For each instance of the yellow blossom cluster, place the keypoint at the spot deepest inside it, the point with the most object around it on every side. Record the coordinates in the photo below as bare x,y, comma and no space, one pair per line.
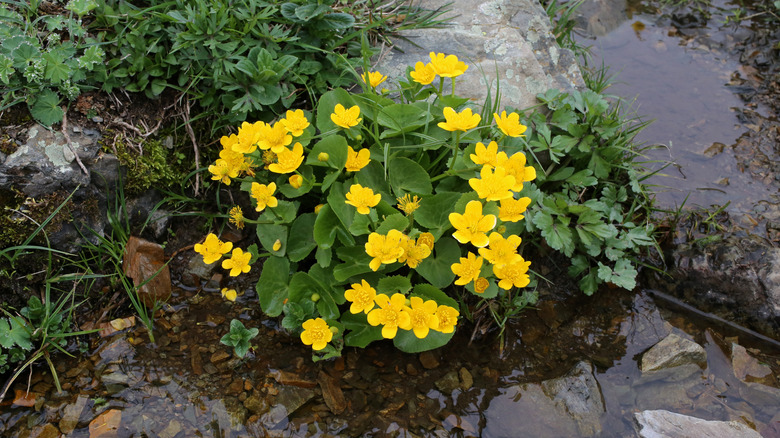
396,246
397,312
446,66
212,249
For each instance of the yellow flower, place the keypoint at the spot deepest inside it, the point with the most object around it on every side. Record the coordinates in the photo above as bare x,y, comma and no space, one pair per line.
229,294
277,245
493,184
502,251
407,204
510,125
287,160
448,318
317,208
357,160
487,155
481,284
237,217
362,198
468,269
361,296
511,209
296,181
374,78
264,195
426,239
514,274
447,66
274,137
346,118
296,122
414,253
223,171
472,226
423,73
384,249
238,262
316,333
462,121
248,136
212,248
390,314
233,158
268,158
227,142
515,166
422,316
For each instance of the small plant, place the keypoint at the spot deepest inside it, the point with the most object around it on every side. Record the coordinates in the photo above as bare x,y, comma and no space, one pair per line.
238,337
44,58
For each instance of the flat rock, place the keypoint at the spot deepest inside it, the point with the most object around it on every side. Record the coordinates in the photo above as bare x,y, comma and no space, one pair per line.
745,365
72,413
672,351
504,41
571,405
665,424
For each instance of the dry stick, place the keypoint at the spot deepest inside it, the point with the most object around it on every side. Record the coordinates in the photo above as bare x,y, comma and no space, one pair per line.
194,143
67,139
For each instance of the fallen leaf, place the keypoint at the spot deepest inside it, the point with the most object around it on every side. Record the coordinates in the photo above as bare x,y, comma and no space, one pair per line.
24,398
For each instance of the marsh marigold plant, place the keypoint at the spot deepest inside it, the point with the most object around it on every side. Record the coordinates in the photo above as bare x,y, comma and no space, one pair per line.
379,219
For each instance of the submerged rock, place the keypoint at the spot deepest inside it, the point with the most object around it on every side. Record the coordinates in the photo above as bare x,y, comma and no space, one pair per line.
571,405
662,424
672,351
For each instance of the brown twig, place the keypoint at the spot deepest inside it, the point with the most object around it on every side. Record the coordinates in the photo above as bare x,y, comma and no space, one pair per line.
67,140
191,132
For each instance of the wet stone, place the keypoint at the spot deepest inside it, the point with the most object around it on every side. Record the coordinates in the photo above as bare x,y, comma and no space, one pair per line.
747,367
171,430
672,351
293,379
290,398
256,405
448,383
331,393
72,413
467,381
661,423
116,350
46,431
428,360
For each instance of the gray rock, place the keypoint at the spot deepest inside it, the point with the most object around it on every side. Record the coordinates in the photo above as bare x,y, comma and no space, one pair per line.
672,351
665,424
737,279
506,41
290,398
448,383
571,405
72,413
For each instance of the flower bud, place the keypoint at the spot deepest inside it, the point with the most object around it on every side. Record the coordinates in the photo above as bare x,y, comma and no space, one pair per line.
334,330
323,156
359,137
315,297
317,208
296,181
277,245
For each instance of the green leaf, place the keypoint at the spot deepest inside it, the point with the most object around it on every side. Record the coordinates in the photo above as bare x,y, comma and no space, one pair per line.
373,176
6,69
301,239
323,256
272,285
309,11
355,262
16,334
326,227
326,105
337,21
393,222
301,288
337,201
46,108
434,212
336,148
623,274
557,234
401,118
406,176
407,342
360,332
428,292
269,234
56,69
392,284
436,268
81,7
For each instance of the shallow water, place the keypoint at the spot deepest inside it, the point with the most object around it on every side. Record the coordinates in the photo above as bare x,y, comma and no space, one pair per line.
187,386
683,70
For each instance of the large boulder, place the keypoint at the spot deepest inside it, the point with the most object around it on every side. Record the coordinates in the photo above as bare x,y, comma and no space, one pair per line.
510,42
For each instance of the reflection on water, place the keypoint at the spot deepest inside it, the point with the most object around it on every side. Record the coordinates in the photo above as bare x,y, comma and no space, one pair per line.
569,369
678,70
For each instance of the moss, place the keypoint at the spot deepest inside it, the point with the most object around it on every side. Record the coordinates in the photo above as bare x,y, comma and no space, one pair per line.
157,166
21,216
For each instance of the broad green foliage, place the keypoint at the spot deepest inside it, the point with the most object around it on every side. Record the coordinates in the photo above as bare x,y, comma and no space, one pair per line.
47,59
233,57
589,202
238,337
371,214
